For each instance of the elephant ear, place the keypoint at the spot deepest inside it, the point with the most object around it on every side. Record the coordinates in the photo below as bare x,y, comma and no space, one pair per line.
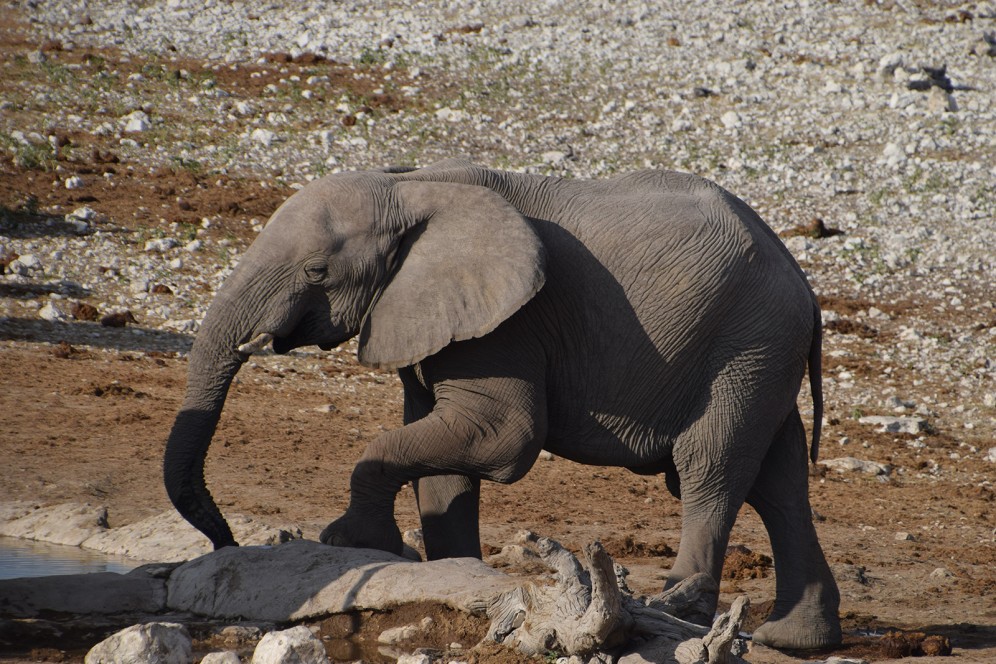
468,260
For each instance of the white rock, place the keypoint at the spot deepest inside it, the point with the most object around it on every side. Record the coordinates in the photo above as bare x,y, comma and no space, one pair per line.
25,265
889,424
396,635
152,643
991,455
893,154
448,114
413,538
192,246
82,214
888,64
301,579
296,645
904,537
136,122
939,101
681,124
52,313
243,108
69,524
227,657
264,137
74,182
160,245
850,464
941,573
415,658
731,119
554,157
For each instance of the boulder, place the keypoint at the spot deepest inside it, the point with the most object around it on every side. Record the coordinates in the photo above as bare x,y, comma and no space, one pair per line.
167,537
296,645
302,579
70,524
83,594
152,643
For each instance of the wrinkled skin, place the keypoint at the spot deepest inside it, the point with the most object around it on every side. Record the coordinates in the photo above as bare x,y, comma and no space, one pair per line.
651,321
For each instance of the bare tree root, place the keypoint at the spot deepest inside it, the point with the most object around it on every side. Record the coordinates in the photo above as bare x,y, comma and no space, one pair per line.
589,612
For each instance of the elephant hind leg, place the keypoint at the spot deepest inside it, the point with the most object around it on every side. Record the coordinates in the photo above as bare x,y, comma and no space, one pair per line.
712,492
806,596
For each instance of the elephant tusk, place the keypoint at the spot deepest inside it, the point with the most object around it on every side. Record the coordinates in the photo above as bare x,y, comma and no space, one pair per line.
256,344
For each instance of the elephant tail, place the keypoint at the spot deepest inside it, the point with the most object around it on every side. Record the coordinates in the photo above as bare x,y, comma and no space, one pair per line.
816,380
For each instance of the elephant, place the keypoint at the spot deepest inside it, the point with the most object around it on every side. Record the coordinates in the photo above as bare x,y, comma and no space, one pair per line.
650,321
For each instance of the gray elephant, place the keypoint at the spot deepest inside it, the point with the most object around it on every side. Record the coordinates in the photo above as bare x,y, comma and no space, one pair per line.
650,321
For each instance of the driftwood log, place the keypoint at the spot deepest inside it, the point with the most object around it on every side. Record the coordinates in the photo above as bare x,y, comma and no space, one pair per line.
588,611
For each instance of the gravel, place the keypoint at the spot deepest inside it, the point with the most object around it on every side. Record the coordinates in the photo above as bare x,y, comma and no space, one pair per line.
876,118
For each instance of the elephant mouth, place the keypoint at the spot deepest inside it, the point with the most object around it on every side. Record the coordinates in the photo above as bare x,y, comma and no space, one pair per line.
283,345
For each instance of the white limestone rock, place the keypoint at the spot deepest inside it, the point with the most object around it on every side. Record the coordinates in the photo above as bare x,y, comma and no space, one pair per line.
152,643
296,645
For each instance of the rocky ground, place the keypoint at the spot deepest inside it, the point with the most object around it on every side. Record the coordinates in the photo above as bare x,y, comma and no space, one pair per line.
145,143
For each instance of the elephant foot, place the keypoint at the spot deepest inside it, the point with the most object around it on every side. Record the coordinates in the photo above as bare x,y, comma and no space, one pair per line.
800,629
364,533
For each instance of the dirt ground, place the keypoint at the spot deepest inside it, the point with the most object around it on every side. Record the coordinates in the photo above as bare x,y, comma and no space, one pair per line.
85,410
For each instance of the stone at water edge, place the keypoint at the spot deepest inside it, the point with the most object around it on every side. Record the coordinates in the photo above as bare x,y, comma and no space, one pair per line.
152,643
296,645
100,593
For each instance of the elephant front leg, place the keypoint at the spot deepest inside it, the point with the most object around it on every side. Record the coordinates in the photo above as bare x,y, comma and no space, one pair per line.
368,522
475,432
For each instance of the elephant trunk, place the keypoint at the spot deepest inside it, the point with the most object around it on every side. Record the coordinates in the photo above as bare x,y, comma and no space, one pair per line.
214,361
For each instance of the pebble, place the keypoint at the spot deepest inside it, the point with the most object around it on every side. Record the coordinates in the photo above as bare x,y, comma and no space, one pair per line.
52,313
264,137
939,101
26,265
731,119
136,121
160,245
74,182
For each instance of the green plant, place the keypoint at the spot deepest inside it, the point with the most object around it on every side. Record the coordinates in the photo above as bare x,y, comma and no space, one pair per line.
32,156
183,164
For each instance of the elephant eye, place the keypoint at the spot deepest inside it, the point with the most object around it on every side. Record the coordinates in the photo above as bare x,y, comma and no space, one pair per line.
316,271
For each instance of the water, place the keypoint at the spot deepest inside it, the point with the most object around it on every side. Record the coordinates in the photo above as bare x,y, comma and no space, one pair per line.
24,558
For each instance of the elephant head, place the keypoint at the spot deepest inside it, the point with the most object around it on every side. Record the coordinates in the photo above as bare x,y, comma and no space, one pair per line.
409,266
